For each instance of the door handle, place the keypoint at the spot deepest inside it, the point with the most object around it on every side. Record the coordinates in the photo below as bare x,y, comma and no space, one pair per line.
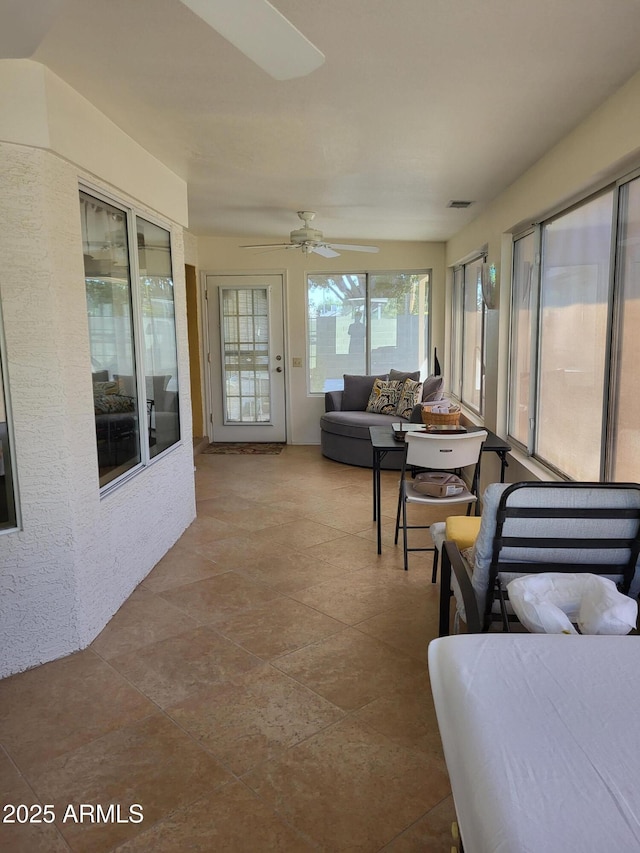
278,369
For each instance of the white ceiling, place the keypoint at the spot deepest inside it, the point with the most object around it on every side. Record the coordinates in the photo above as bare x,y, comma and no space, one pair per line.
418,102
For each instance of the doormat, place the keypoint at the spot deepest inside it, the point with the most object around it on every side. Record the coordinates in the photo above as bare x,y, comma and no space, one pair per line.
244,448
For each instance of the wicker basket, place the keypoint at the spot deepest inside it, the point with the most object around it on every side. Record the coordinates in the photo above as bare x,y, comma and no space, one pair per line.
451,418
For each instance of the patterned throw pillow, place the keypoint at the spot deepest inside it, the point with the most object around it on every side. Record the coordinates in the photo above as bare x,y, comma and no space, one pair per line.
384,397
410,396
111,404
101,388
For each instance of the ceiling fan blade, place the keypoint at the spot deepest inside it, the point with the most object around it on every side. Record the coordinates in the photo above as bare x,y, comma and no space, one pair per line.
262,33
348,248
268,246
325,251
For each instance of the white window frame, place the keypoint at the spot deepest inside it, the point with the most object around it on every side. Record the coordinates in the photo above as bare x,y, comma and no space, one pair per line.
614,307
132,214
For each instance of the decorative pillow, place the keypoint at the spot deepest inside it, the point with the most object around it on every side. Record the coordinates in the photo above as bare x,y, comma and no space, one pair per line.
463,530
410,395
101,388
109,404
384,397
400,377
357,390
432,389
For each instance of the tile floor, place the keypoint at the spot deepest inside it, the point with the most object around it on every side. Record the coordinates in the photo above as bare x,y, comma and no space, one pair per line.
264,689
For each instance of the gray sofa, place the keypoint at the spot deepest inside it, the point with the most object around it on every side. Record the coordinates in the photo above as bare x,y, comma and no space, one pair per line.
344,427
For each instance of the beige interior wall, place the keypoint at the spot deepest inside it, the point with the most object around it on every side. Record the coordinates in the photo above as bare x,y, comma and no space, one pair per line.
223,255
195,347
39,109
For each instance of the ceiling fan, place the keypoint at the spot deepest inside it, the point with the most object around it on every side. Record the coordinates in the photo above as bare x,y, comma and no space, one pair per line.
310,240
262,33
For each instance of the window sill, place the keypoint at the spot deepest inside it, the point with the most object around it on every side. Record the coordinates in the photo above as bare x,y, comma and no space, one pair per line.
535,468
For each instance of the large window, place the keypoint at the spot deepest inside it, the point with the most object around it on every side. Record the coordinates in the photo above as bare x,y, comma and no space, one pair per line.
468,339
573,400
523,298
7,486
360,323
131,316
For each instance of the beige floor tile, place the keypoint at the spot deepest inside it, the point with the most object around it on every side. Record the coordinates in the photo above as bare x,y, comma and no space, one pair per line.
258,716
290,571
151,763
229,820
407,717
62,705
350,669
356,596
408,628
219,597
237,551
341,787
277,627
430,834
173,669
143,619
252,515
317,694
347,519
30,837
10,776
180,566
298,535
348,552
205,530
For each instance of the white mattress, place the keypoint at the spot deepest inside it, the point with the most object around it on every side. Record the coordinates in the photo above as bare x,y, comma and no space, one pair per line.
541,735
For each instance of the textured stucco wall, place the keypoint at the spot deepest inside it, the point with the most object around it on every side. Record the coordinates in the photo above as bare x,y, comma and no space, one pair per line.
77,557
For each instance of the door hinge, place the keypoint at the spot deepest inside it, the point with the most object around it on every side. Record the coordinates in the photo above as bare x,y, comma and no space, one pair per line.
206,293
209,358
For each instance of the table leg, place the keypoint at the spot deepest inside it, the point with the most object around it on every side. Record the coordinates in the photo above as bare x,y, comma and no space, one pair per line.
378,455
375,465
503,463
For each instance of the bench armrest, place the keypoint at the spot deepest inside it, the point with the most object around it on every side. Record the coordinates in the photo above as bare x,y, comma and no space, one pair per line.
452,560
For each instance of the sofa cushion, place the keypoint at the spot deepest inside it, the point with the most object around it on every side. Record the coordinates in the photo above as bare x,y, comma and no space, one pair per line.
357,390
400,376
353,424
432,389
384,397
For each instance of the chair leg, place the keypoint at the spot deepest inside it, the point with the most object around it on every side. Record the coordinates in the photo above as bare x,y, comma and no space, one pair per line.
404,532
398,511
434,573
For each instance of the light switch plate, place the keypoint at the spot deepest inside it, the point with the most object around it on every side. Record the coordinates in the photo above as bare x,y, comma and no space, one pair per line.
297,362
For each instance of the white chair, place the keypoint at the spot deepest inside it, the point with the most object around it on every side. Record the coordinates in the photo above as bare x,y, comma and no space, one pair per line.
437,453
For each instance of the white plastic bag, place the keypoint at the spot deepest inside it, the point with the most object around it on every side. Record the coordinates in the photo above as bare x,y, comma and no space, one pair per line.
549,603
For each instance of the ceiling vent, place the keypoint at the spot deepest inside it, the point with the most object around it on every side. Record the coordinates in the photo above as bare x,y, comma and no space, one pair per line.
461,204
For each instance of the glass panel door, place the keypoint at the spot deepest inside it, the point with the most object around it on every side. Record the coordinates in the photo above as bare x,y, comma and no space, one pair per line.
247,373
245,355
